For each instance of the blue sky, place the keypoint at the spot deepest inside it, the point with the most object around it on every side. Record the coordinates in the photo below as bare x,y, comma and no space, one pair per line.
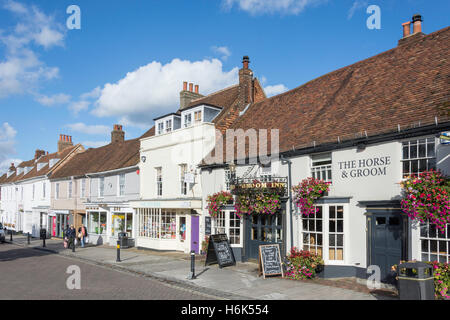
127,62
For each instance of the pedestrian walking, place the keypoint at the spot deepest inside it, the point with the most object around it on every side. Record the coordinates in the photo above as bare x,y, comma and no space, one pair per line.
71,235
82,235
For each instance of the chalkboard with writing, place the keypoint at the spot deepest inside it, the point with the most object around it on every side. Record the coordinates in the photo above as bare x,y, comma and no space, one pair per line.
219,251
269,260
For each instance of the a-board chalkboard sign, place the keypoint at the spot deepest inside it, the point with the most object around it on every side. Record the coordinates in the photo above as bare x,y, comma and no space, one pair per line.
219,251
269,260
207,226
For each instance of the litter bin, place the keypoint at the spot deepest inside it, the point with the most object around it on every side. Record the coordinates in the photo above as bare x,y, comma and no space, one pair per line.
123,238
415,281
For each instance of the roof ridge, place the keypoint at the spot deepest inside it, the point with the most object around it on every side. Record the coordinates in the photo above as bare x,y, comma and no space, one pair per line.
214,93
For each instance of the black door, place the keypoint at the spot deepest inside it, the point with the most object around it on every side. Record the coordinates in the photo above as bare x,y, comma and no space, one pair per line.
385,242
261,230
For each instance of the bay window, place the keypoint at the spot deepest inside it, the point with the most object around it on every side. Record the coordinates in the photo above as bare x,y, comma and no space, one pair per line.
227,222
157,224
324,232
435,246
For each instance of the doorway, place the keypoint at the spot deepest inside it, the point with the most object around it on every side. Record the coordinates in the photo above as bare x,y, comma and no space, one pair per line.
262,230
386,238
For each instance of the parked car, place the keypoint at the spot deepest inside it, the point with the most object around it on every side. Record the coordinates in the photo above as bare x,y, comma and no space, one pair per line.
2,233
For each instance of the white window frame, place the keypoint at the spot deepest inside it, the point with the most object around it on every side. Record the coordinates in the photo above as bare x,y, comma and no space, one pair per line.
69,189
159,181
227,179
325,234
160,128
101,187
168,125
183,185
226,215
187,124
83,188
57,190
119,189
200,111
265,172
318,171
445,238
426,158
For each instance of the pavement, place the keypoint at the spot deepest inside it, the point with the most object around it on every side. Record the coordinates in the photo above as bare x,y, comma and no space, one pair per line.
239,282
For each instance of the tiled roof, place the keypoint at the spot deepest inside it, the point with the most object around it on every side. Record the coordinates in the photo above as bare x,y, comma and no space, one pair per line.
221,98
110,157
2,178
399,87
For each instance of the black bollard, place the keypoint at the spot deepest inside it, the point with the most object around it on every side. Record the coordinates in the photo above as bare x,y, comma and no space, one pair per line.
10,234
118,251
28,238
43,242
192,275
73,245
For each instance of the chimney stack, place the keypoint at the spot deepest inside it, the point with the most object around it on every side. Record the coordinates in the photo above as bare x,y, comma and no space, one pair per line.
245,83
117,135
64,142
406,29
417,30
38,154
186,96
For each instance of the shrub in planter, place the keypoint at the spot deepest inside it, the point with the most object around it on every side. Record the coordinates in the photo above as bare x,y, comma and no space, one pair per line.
302,264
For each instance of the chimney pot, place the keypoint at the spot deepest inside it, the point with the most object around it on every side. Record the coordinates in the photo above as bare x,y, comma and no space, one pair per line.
191,87
406,29
417,23
196,88
185,86
245,62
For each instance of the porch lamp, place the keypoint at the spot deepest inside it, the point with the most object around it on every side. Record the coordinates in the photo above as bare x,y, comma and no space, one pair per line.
232,167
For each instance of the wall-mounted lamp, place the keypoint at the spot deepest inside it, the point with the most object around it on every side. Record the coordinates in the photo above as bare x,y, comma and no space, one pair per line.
232,167
143,158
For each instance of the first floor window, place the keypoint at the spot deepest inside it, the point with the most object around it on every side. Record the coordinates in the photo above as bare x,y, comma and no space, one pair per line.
227,222
435,246
122,184
183,170
101,189
70,189
323,232
159,181
418,156
321,167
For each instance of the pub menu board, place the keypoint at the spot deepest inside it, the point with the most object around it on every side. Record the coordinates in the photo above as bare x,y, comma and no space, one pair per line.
269,260
219,251
207,226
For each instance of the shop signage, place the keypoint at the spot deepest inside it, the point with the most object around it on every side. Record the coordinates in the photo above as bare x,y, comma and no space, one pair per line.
219,251
369,167
269,260
189,178
259,185
445,138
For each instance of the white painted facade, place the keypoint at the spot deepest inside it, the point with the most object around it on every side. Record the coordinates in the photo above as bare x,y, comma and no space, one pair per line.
379,182
167,159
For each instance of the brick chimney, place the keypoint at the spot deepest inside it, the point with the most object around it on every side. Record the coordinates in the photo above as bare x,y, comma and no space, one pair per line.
417,30
117,135
186,96
64,142
38,154
245,83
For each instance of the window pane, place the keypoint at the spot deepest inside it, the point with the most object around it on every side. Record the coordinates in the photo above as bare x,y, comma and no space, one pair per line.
422,165
414,167
332,212
311,225
319,225
332,240
332,226
405,152
340,212
422,151
413,150
340,226
340,240
430,150
424,245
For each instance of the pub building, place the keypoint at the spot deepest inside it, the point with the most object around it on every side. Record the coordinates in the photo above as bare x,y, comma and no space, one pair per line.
363,128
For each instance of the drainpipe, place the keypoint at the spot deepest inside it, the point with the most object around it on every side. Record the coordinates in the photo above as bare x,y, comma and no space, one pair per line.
291,230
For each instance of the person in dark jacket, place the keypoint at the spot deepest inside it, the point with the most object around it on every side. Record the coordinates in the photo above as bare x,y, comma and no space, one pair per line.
71,234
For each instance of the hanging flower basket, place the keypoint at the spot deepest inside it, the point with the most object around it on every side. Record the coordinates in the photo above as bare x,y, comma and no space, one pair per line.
308,191
426,198
217,201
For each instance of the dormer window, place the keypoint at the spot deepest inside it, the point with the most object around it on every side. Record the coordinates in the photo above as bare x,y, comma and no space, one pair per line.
187,120
169,125
198,116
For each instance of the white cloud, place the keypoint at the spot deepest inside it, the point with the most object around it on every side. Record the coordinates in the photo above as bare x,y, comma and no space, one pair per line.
94,94
55,99
255,7
78,106
224,51
7,142
274,90
89,129
356,6
21,71
153,89
95,144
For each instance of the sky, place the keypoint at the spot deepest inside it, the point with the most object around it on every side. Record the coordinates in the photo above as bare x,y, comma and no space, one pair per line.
126,62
